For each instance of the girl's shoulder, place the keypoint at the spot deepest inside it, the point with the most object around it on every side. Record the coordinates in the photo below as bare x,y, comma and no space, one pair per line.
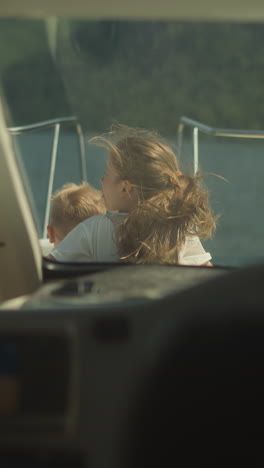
193,252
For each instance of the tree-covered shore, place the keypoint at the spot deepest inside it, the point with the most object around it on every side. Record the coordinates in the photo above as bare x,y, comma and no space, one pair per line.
138,73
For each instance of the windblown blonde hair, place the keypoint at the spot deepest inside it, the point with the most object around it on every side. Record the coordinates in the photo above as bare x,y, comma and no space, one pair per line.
171,205
74,203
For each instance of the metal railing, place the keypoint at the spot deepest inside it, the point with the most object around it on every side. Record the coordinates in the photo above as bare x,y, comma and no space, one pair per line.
214,131
56,123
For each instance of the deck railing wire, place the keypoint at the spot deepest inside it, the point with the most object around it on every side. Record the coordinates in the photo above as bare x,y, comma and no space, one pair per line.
56,124
214,131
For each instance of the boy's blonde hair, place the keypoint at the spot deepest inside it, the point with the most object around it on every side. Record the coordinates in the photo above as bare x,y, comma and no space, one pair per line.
171,205
72,204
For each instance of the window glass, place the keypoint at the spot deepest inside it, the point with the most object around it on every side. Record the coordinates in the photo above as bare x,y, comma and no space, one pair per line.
145,74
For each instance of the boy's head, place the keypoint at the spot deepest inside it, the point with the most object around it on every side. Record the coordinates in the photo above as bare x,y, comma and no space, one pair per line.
71,205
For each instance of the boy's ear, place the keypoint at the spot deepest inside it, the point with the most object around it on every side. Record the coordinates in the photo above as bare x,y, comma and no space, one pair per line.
51,234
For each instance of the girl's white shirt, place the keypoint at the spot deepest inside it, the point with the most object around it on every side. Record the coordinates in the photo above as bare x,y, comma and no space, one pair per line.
93,240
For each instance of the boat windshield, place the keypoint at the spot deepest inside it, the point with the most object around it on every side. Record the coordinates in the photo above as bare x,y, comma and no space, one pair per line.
64,81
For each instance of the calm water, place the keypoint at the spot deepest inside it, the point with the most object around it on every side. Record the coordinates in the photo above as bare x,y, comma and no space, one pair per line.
239,200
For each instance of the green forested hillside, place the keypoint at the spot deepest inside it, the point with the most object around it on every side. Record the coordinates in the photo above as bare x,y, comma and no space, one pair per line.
139,73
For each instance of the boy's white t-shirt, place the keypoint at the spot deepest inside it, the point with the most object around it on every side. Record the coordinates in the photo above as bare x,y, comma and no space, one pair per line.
93,240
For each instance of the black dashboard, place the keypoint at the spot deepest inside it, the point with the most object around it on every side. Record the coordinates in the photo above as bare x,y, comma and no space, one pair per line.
73,358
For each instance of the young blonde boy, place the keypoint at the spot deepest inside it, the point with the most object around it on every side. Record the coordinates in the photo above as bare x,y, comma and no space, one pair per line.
71,205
